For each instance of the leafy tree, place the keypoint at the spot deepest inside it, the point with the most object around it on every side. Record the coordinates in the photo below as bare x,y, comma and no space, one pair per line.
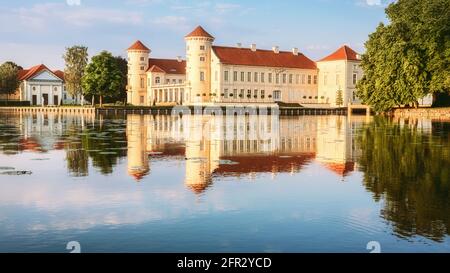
123,66
76,58
339,98
103,77
408,58
9,82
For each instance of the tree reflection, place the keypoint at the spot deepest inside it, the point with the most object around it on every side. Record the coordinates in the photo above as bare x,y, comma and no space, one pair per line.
410,168
105,144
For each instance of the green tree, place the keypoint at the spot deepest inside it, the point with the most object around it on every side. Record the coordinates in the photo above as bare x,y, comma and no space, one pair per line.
339,98
103,77
123,66
76,59
9,81
409,57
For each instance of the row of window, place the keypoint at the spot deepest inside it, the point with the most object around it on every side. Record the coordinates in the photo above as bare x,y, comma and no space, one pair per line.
269,77
338,79
242,94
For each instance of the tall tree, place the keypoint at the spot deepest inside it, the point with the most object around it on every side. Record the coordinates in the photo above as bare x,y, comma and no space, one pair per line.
103,77
408,58
76,58
9,81
123,66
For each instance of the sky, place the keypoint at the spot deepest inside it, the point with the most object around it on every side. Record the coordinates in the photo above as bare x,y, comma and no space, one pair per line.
38,31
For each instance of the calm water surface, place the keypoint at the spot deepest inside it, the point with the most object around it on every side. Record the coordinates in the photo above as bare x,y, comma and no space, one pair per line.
212,184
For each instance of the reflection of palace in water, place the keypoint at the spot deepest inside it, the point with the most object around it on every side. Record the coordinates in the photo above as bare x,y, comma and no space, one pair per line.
240,145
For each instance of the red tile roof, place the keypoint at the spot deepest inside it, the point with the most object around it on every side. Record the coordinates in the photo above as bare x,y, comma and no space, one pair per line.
26,74
138,45
168,66
59,74
199,32
156,69
245,56
343,53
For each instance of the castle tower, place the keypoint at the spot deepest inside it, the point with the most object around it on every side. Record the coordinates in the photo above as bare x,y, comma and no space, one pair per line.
198,65
138,55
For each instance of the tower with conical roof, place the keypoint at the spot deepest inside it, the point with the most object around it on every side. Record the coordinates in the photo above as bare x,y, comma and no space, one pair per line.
138,55
198,65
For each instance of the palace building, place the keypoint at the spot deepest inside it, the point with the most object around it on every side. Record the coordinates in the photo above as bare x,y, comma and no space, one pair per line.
42,87
222,75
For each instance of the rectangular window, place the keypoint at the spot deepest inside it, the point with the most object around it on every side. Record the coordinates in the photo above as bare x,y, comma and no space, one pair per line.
174,81
355,78
249,76
284,78
241,94
325,79
338,79
249,93
225,76
270,77
142,83
202,76
202,47
303,78
255,77
142,68
202,59
277,95
225,93
277,78
235,76
168,81
180,81
235,93
297,79
242,76
262,94
315,79
309,79
262,77
142,59
255,94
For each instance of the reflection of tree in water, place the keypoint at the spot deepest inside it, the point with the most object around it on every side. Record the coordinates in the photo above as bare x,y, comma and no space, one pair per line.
103,142
411,170
76,157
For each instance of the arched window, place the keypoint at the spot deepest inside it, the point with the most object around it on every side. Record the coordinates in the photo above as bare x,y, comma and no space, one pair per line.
157,80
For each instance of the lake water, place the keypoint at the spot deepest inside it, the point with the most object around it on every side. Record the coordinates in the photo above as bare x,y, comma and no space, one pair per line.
223,184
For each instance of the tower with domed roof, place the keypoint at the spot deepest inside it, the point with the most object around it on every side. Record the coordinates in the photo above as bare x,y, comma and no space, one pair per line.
198,65
138,55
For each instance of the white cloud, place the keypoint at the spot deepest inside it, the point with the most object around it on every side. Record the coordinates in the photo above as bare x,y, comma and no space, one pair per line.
73,2
373,2
41,16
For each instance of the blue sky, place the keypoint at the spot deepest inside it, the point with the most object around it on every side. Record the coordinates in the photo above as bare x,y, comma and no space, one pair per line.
38,31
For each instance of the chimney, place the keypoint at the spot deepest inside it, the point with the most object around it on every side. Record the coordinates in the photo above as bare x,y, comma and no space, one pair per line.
238,45
253,47
276,49
179,59
295,51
